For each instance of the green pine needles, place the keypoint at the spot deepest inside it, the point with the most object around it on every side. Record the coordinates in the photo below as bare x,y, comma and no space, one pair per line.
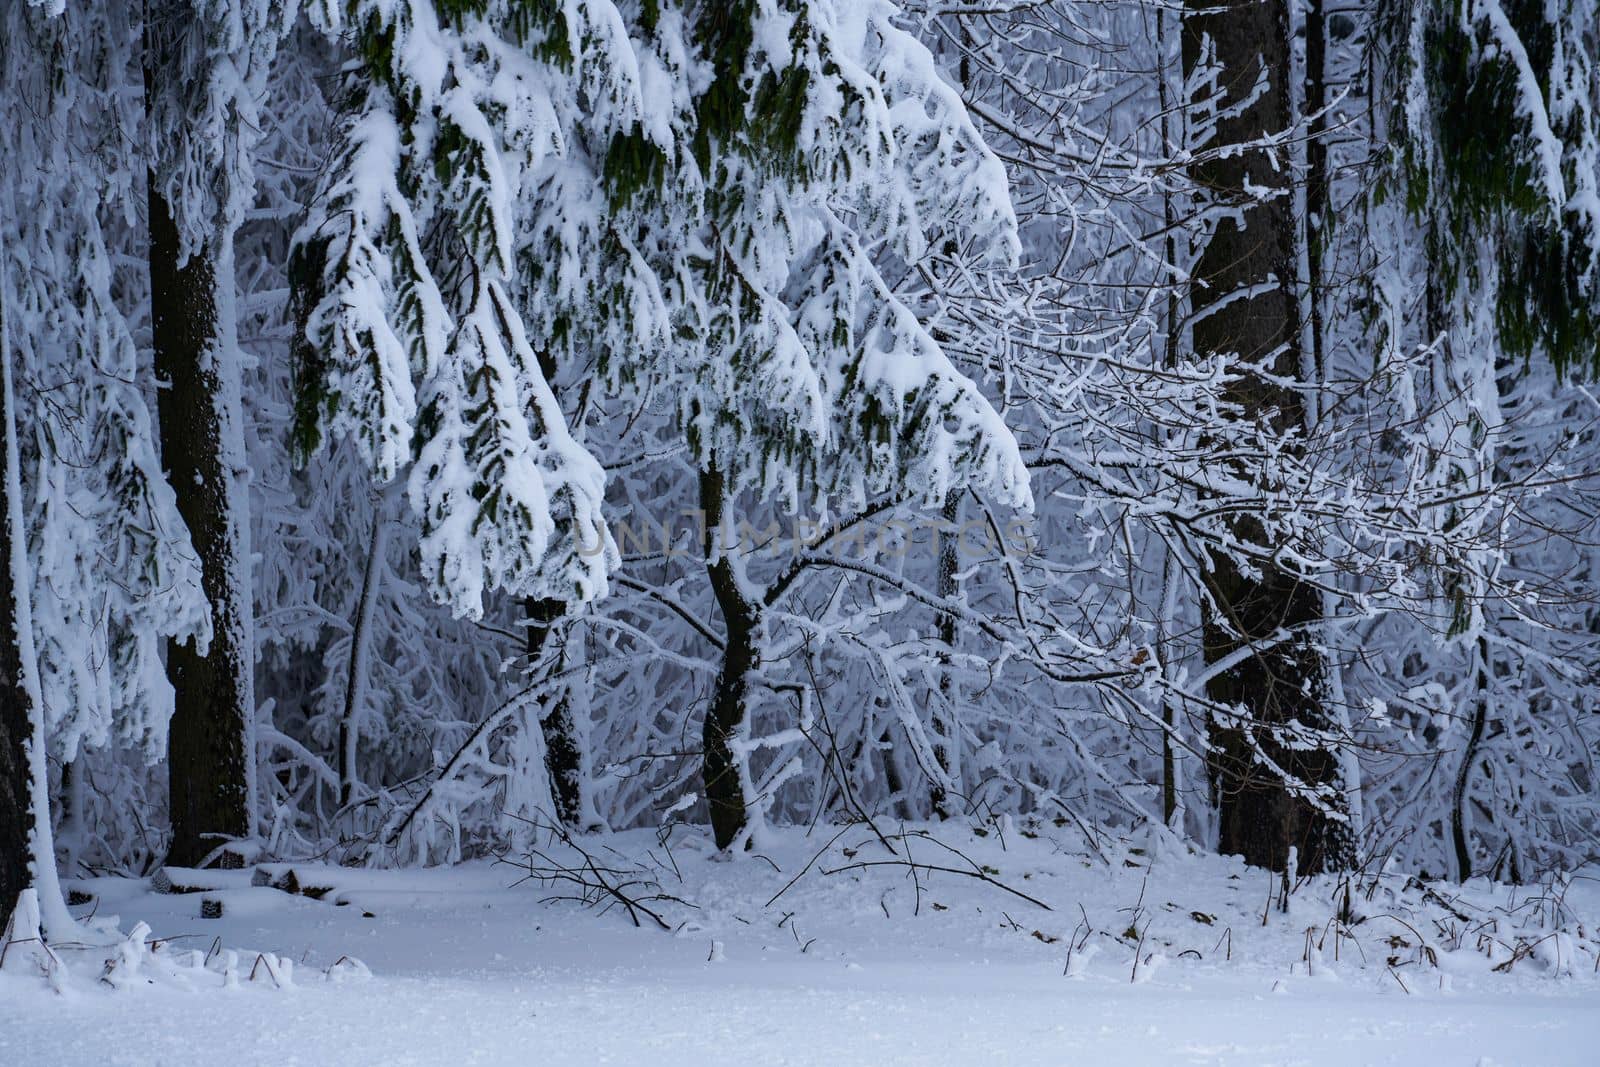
1499,150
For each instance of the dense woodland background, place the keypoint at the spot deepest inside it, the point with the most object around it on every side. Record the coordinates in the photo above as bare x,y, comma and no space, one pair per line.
427,420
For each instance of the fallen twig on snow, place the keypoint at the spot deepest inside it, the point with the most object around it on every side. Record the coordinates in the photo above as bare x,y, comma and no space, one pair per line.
980,875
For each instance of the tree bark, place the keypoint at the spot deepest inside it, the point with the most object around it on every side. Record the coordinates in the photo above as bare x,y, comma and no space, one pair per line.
210,762
16,724
725,716
945,718
563,757
946,734
1317,178
1245,304
360,666
27,849
1172,813
1172,136
1469,757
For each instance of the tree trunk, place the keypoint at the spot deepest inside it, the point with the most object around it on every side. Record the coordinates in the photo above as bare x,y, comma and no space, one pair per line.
27,850
70,828
16,724
1315,101
945,718
1172,812
1172,135
1469,757
210,758
563,756
1247,270
725,716
360,666
946,727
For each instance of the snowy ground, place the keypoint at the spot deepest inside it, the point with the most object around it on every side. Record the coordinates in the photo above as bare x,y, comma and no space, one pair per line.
858,966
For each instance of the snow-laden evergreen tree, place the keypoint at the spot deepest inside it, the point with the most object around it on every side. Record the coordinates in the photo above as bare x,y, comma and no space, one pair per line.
28,878
110,569
437,378
830,162
203,69
1497,123
114,571
1495,134
698,202
414,343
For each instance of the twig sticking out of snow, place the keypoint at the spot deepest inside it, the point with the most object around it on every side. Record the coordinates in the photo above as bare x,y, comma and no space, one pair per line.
980,875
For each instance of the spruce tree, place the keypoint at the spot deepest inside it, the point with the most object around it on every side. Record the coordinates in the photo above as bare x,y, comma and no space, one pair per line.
199,183
107,571
412,340
1496,151
1497,140
714,247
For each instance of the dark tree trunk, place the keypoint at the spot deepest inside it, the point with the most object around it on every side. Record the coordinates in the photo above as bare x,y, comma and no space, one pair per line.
944,720
562,754
1171,136
1469,758
209,762
729,699
1281,684
1170,813
946,733
16,726
1316,221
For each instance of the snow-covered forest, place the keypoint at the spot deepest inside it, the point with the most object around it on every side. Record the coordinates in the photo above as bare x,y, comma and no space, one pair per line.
936,456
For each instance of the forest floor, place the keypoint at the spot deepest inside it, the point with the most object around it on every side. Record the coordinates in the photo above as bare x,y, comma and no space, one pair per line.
1175,958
